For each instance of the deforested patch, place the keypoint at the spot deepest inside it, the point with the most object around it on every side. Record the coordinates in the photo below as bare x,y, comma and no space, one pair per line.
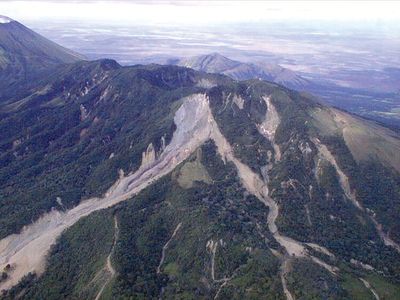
307,210
205,83
193,171
84,113
268,127
165,247
108,271
285,270
366,140
368,286
148,156
361,265
321,249
325,154
238,100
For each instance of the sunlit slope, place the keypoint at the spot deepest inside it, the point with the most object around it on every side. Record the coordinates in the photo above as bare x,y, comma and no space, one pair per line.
366,140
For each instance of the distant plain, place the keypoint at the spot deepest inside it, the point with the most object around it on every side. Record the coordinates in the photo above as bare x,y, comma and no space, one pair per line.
353,67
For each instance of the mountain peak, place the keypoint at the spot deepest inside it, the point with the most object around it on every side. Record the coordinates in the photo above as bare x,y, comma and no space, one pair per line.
5,20
216,55
217,63
25,54
211,63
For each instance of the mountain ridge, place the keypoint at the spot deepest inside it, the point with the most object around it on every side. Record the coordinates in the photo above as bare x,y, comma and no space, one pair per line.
264,109
26,55
217,63
154,181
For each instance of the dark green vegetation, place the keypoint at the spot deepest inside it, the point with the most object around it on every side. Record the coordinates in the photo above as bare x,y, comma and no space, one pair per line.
318,284
26,56
66,136
382,190
317,210
239,129
221,213
74,262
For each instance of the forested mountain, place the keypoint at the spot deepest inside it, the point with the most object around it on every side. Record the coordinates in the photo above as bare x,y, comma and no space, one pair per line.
25,55
165,182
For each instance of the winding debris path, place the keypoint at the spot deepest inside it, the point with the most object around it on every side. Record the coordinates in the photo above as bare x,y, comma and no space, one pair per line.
109,266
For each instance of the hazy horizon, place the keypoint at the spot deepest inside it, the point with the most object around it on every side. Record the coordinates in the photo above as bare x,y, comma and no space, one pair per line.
348,44
203,12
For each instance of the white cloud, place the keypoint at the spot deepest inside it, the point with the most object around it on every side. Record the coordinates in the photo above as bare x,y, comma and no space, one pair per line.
202,12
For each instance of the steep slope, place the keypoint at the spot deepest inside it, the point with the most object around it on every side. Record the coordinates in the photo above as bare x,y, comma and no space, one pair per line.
24,54
68,132
216,63
222,189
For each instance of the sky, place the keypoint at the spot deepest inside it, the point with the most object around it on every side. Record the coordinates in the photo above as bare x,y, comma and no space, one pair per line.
201,12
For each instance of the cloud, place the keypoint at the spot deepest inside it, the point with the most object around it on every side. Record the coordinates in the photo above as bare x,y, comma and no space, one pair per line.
201,12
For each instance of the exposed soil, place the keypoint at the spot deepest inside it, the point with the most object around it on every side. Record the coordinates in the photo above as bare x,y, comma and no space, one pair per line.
27,251
109,267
